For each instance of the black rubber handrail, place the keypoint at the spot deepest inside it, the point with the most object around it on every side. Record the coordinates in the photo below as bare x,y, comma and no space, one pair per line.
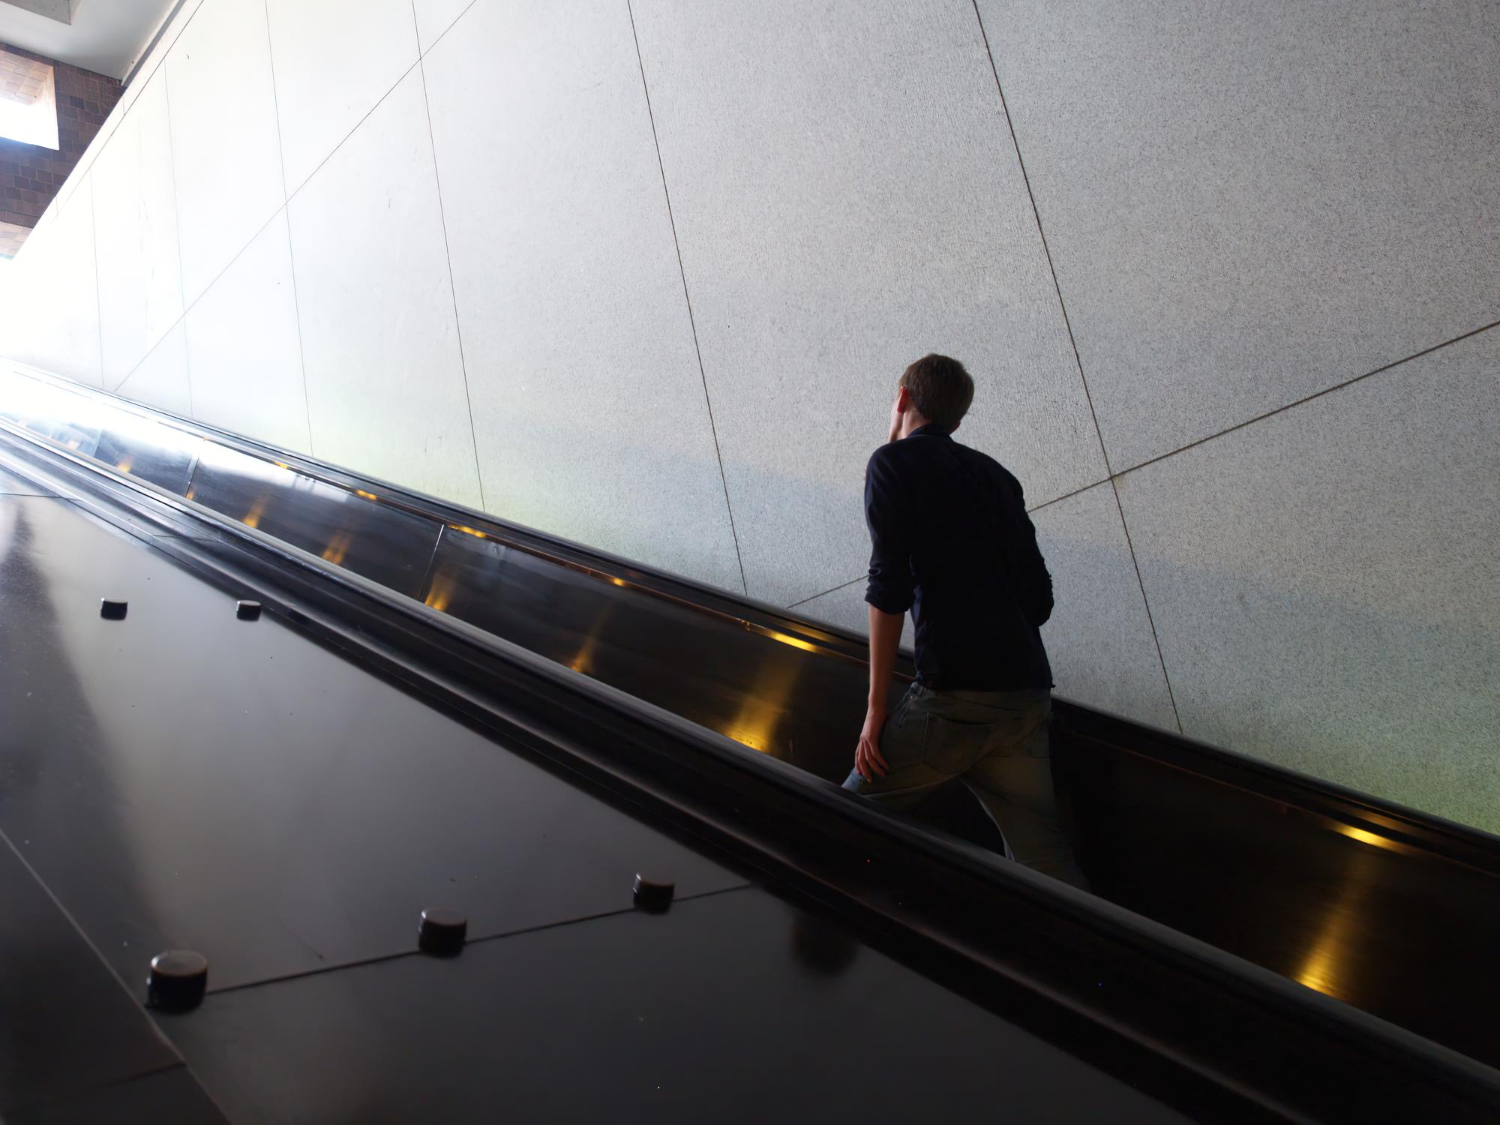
1402,825
1246,1027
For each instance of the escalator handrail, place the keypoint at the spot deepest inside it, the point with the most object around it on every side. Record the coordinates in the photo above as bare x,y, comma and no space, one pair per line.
1404,826
359,615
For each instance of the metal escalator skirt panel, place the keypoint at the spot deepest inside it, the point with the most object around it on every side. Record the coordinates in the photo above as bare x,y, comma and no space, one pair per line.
73,419
351,529
163,455
763,690
120,437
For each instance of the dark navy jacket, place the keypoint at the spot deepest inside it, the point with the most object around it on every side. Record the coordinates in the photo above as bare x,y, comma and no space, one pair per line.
951,542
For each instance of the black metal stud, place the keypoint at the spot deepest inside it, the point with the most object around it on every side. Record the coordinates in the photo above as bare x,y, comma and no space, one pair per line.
177,981
247,611
112,611
442,933
654,895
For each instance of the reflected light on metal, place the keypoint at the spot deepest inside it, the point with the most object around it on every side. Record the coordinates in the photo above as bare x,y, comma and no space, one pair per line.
1317,971
468,531
440,593
366,495
124,465
583,659
338,547
1366,837
795,642
1330,965
764,706
252,517
751,738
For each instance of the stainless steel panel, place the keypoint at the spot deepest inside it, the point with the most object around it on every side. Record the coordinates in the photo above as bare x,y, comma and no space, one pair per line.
769,690
170,1097
731,1008
13,485
128,439
1332,898
1323,901
70,417
160,454
354,531
185,779
66,1025
1352,913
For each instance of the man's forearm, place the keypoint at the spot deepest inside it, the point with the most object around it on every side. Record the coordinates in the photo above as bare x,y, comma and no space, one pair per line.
885,638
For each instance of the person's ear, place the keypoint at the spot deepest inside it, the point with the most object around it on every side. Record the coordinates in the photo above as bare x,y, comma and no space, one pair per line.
903,400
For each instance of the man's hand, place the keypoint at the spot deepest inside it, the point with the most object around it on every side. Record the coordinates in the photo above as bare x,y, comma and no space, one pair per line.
867,758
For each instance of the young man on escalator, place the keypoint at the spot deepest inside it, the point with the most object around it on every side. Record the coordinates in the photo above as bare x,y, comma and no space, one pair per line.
951,542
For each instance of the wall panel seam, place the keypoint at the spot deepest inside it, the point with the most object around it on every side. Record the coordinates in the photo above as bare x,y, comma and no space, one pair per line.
687,298
832,590
1042,234
1146,601
458,328
1067,495
157,37
90,154
187,343
98,299
424,53
275,97
1309,398
291,257
284,208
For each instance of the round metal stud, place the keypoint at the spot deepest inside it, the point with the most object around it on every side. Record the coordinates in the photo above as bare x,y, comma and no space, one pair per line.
177,981
654,895
442,933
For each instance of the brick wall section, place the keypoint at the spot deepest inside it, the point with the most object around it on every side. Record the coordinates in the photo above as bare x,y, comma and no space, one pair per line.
31,176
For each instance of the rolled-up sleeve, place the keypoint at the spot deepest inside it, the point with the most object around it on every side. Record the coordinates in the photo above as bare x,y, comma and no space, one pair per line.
1036,588
1034,581
891,588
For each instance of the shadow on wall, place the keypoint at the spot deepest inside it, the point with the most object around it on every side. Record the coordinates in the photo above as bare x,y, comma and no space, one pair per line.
1402,708
1099,638
1385,704
662,505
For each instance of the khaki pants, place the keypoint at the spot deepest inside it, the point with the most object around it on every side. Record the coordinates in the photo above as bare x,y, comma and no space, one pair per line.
997,742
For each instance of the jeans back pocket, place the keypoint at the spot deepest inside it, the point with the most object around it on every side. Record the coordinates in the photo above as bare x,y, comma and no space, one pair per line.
952,746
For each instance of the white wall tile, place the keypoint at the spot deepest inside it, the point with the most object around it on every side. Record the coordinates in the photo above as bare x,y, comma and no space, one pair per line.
161,379
135,222
1246,203
434,17
846,607
149,70
385,382
333,60
588,400
1099,638
224,136
847,199
52,322
244,349
1324,582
